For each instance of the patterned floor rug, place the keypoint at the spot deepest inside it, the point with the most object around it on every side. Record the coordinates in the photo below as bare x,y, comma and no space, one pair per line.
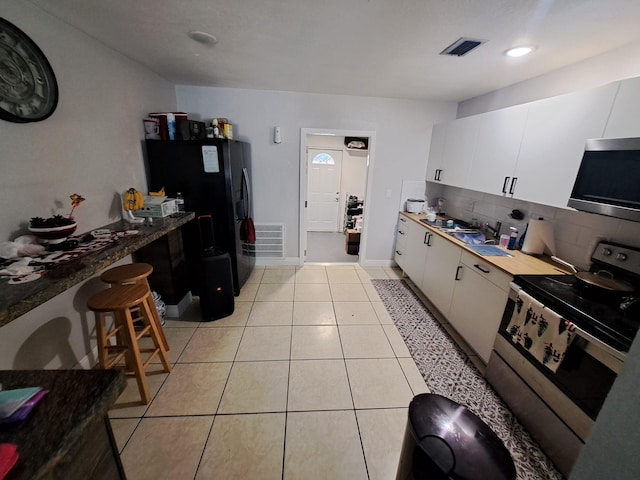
448,371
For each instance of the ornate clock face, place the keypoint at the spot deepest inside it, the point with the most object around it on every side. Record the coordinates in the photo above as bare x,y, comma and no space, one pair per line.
28,88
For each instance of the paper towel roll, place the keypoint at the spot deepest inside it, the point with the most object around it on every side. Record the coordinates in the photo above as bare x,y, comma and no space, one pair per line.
539,235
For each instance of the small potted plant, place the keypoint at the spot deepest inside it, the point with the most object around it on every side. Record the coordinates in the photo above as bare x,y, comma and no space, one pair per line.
57,228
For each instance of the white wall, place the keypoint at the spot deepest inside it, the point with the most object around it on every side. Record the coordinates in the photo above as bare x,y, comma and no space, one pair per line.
403,131
92,145
606,68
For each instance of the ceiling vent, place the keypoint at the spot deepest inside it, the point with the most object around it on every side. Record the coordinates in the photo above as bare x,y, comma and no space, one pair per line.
461,47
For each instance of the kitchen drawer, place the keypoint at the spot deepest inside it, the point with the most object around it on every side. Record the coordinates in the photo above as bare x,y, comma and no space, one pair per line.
402,232
487,270
400,250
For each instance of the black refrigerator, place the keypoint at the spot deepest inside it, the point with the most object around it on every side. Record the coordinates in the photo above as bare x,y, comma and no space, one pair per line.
214,177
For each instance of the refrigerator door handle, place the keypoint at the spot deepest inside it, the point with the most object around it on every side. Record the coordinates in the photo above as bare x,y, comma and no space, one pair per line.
242,206
245,182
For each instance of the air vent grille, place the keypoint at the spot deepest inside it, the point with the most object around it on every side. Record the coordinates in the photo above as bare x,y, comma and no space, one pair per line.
269,241
461,47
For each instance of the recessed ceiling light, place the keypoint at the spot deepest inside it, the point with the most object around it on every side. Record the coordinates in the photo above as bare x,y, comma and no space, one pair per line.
203,37
519,51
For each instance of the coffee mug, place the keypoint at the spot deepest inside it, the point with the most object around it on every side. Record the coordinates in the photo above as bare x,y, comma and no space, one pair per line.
151,127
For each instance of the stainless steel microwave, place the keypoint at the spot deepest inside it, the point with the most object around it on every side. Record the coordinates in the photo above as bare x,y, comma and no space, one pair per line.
608,180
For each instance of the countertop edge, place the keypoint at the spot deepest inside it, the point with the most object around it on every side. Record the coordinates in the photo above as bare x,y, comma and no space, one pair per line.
525,264
76,399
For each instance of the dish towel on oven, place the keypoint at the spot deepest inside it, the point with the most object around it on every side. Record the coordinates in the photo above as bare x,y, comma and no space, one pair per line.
544,333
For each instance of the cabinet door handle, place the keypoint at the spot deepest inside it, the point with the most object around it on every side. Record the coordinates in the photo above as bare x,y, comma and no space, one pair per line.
398,252
439,173
513,185
504,185
482,269
458,272
403,220
427,239
400,232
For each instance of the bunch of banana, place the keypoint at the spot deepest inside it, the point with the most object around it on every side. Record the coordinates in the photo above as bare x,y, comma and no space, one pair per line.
159,193
132,200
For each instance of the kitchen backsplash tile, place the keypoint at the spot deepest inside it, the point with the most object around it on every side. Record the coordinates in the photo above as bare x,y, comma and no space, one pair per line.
576,233
628,232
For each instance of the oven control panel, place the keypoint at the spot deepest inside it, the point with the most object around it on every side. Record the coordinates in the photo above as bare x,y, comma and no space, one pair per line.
620,256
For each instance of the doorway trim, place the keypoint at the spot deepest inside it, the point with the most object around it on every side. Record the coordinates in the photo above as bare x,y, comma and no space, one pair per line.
304,133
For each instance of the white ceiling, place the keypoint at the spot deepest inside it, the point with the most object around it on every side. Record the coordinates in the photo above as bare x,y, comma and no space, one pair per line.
381,48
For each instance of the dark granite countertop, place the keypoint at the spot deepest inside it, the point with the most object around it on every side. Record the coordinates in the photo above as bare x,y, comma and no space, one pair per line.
16,300
76,398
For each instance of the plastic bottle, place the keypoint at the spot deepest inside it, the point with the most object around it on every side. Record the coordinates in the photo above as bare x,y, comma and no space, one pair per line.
171,126
522,237
179,202
513,239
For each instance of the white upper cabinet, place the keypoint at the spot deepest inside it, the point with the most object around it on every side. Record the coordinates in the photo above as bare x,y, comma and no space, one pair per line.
451,151
436,152
624,121
532,151
554,140
458,150
498,141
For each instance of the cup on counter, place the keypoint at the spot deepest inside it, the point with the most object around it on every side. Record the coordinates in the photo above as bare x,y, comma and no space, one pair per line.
504,240
431,217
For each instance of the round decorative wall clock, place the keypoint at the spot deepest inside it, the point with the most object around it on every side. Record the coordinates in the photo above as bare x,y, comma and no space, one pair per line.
28,87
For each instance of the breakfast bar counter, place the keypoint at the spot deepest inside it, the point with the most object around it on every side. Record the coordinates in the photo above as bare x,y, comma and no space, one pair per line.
18,299
68,433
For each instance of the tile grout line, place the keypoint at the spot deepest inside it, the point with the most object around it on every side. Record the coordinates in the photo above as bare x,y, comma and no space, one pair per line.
213,420
286,406
353,402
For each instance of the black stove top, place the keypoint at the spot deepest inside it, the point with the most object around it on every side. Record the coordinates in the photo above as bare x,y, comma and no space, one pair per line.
598,315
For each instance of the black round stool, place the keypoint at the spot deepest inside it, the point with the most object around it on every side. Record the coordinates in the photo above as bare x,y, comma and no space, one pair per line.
444,440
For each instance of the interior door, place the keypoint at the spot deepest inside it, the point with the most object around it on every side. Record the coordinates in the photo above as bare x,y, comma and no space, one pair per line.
323,198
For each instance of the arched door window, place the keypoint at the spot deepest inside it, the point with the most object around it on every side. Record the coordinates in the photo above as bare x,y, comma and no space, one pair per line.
323,159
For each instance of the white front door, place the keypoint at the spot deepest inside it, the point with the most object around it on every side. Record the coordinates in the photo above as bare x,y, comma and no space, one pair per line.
325,169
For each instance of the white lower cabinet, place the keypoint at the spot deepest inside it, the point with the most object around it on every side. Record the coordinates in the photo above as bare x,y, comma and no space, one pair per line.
438,279
418,239
402,231
469,292
479,298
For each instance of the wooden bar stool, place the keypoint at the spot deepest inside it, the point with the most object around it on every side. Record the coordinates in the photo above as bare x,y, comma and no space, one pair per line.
119,300
136,273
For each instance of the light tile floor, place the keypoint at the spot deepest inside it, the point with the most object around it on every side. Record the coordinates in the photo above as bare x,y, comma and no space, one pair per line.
308,379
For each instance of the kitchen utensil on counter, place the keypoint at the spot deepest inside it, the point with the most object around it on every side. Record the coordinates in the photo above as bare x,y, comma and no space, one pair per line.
597,280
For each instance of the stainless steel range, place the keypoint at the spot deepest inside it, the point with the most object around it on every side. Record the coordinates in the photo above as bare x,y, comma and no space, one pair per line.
558,408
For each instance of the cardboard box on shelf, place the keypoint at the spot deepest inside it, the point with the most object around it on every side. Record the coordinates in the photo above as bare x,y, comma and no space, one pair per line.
353,236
